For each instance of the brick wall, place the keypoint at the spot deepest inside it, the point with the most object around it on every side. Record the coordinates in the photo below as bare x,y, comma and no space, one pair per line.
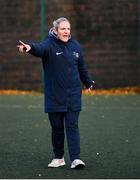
111,40
19,20
108,31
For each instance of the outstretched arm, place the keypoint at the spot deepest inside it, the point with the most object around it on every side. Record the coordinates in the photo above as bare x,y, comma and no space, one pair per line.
36,49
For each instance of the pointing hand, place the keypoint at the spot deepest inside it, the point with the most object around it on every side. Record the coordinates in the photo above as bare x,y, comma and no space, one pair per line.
23,47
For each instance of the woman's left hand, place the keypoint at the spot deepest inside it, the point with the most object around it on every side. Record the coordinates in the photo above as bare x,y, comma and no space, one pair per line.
90,88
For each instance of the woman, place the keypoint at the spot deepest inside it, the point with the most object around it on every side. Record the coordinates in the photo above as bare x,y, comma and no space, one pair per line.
64,69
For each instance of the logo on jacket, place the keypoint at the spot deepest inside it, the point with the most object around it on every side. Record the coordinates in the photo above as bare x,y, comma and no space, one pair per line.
58,53
76,54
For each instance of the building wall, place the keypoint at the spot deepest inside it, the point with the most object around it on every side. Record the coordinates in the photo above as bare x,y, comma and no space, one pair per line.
107,30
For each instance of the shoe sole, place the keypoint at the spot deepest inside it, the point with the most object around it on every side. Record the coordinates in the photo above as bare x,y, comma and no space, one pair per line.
79,166
56,166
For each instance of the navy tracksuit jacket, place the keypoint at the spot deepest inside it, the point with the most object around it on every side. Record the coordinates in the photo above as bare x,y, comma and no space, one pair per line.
64,69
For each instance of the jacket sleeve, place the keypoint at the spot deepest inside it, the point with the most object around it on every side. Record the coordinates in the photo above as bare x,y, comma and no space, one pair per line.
39,49
83,71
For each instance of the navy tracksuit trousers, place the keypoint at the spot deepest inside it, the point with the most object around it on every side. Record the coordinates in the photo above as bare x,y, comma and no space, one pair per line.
59,122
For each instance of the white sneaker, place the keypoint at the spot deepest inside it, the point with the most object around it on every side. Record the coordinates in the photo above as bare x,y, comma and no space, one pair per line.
77,164
57,163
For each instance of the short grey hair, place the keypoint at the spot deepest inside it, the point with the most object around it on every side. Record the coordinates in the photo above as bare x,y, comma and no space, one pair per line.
58,21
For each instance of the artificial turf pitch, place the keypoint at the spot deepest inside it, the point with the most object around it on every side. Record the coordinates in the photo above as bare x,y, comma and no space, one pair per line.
110,138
